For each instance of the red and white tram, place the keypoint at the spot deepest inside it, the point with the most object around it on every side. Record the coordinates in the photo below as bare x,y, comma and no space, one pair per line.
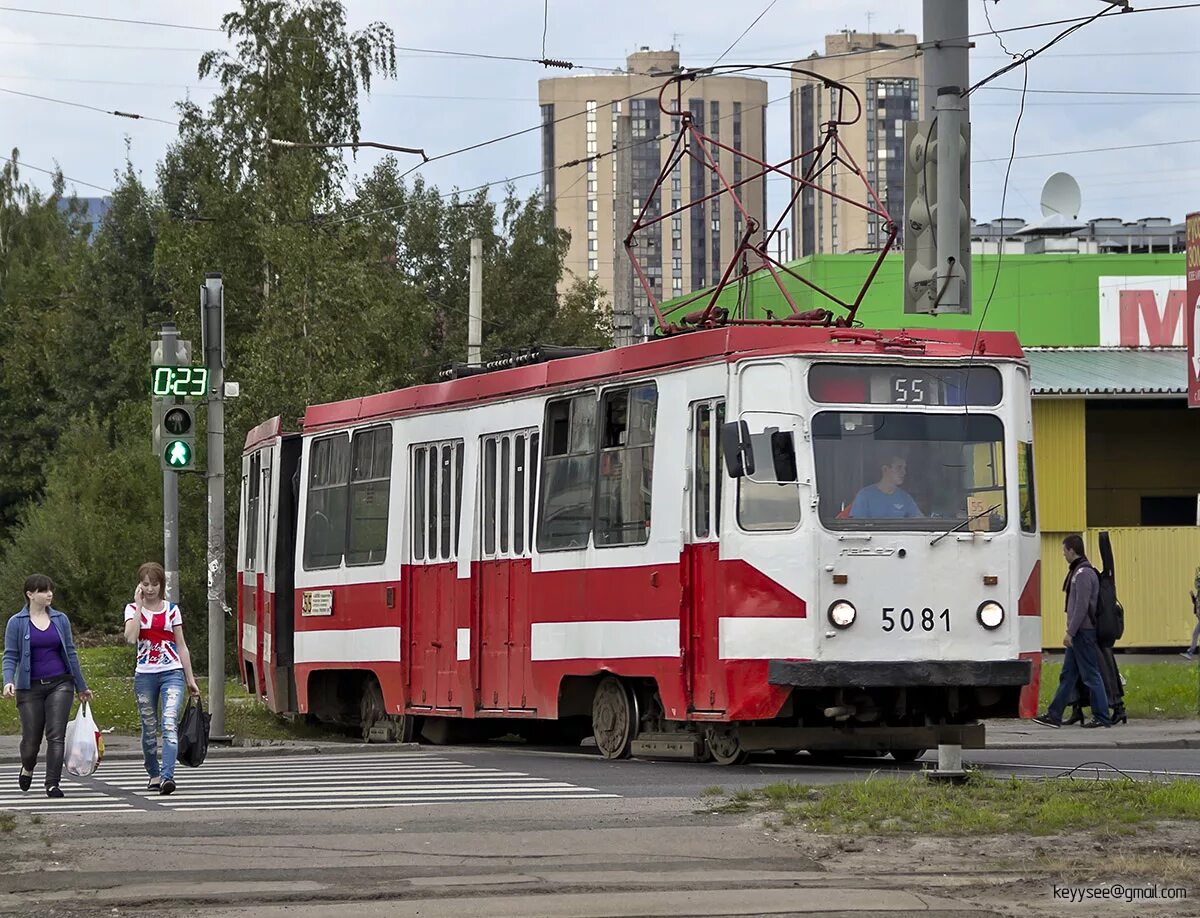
736,539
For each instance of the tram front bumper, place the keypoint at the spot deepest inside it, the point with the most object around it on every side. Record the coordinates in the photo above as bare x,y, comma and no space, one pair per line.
898,673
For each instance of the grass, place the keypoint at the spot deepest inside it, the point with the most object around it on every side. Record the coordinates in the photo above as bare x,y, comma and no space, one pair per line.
8,822
1152,690
109,672
983,805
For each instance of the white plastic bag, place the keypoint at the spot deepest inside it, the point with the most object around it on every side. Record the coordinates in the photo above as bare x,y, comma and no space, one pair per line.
83,747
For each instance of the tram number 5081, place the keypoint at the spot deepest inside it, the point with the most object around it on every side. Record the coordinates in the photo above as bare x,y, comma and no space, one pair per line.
908,620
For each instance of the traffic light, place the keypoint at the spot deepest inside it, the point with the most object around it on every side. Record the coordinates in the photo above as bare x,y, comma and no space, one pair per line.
921,204
176,437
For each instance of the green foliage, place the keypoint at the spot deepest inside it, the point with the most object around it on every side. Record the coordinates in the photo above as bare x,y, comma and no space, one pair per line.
95,523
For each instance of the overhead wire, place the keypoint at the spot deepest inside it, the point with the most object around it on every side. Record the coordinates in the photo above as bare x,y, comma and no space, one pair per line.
104,111
745,32
69,178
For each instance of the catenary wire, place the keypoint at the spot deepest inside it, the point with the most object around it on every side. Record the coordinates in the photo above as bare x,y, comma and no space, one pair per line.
745,32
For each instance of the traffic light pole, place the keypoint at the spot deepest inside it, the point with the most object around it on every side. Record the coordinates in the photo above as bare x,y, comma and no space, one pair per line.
169,337
212,300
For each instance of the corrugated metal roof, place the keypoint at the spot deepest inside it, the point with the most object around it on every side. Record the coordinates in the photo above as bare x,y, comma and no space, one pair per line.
1108,371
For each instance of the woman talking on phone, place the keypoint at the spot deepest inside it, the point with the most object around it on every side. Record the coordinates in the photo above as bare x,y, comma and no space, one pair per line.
163,667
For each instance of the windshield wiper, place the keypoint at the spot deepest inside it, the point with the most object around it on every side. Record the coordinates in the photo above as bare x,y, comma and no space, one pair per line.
966,522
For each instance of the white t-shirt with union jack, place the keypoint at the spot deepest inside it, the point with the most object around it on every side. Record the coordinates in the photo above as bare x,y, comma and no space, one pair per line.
156,651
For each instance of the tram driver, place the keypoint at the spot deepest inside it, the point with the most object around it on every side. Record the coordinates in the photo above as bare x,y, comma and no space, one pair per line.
886,500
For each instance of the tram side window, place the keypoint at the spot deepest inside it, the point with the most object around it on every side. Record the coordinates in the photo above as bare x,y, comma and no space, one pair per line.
706,485
252,511
763,503
568,476
1025,486
370,490
325,522
626,466
436,501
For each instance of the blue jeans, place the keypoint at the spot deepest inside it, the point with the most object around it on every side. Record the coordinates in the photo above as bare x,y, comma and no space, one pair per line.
154,692
1081,662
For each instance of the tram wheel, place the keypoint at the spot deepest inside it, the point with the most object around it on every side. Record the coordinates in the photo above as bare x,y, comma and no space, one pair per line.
377,724
614,718
724,746
371,712
907,755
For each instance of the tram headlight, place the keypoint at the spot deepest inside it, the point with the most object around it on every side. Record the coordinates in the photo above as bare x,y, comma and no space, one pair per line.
990,615
842,614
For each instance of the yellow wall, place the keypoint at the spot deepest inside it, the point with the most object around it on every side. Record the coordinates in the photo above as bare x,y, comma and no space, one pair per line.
1155,569
1060,464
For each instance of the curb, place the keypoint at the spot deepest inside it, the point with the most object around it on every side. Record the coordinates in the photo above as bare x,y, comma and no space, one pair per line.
1114,744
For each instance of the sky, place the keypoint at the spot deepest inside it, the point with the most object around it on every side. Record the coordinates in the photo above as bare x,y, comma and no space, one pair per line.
1125,80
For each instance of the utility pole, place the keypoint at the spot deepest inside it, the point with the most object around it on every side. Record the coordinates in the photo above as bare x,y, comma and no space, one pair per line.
937,177
212,325
475,311
622,292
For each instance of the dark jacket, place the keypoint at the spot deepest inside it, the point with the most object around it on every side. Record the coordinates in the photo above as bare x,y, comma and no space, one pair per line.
17,650
1083,592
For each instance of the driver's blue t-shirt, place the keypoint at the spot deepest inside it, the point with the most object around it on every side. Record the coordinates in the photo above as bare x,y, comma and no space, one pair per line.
873,504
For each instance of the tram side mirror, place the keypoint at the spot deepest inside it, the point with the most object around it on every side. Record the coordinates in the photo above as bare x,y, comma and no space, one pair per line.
783,455
735,445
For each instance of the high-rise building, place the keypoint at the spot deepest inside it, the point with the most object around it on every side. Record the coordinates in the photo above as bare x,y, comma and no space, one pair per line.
884,71
582,118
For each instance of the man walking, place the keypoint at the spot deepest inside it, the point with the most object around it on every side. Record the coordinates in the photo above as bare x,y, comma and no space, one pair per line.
1082,659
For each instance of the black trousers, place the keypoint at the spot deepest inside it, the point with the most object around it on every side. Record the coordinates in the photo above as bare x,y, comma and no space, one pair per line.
44,708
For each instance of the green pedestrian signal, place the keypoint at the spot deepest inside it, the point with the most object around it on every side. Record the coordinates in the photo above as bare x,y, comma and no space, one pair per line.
178,438
178,455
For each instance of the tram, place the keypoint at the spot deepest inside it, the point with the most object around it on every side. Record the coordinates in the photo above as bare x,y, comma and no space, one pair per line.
742,538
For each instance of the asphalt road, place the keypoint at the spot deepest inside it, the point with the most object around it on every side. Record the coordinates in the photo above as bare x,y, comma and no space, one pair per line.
481,831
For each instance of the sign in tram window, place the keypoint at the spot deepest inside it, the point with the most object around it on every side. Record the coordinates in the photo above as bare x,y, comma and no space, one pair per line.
910,471
897,384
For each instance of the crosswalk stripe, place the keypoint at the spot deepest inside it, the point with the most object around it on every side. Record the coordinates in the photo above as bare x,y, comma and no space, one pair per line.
310,782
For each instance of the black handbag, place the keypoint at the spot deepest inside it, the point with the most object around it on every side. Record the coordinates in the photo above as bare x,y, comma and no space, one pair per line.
193,734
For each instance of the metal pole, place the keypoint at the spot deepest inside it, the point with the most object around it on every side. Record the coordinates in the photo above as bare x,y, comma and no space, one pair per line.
170,337
213,326
475,315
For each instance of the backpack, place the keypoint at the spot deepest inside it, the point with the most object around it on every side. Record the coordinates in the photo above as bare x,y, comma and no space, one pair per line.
1110,614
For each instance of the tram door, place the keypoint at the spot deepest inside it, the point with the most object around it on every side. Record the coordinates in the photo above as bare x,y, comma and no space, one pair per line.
508,464
432,642
705,586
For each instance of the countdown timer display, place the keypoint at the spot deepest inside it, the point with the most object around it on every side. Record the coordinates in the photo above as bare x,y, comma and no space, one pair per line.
183,381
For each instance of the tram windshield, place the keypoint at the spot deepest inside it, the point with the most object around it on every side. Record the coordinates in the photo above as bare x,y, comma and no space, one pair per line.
909,471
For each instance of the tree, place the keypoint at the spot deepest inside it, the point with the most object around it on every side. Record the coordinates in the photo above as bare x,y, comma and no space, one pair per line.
43,247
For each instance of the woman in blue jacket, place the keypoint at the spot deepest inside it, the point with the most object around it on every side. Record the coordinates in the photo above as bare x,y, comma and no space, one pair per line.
41,668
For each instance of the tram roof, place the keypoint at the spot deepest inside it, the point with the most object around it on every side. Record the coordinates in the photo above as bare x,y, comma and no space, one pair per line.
689,349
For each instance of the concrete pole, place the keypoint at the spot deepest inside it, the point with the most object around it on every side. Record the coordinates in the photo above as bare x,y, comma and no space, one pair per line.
213,324
475,314
622,292
946,75
170,338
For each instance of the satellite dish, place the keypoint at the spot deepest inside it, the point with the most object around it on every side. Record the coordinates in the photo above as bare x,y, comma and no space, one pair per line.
1060,195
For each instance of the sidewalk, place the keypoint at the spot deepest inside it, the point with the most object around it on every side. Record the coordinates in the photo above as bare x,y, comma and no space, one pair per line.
1001,734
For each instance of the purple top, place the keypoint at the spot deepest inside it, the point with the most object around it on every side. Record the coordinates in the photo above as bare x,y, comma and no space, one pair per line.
46,653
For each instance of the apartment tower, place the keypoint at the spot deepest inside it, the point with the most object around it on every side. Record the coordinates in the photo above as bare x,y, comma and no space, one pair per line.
585,117
885,71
